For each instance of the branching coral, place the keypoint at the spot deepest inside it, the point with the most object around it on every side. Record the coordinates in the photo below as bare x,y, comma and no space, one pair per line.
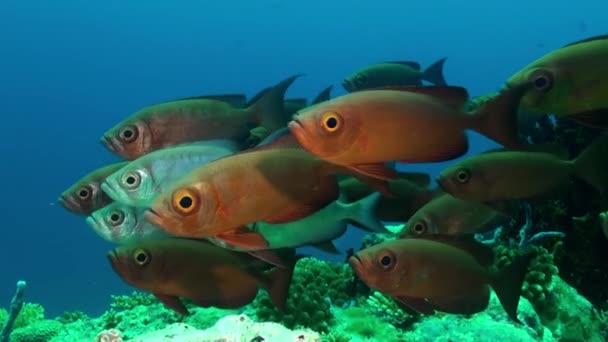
315,286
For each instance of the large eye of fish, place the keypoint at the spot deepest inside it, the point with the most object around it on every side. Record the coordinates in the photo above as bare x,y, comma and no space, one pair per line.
386,260
463,176
419,228
131,180
84,193
331,122
116,217
128,133
141,257
185,201
542,79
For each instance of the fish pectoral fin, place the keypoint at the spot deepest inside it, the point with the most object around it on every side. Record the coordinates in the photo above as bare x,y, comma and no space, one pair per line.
326,246
278,286
271,257
173,303
293,214
419,305
367,173
597,118
244,238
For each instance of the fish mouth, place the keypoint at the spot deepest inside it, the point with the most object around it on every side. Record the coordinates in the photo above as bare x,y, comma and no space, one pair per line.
299,132
98,227
357,264
70,204
116,262
159,219
111,144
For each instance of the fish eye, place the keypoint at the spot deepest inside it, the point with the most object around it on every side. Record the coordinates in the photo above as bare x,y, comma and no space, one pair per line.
386,260
331,122
141,257
185,201
419,227
84,193
463,176
117,217
542,79
131,180
128,133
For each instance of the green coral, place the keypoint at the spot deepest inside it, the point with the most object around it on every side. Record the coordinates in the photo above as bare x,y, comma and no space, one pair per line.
128,302
358,322
30,313
315,285
39,331
386,309
538,285
72,316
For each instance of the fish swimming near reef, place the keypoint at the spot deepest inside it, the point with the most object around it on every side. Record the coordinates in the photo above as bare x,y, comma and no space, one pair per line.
448,215
269,184
318,229
404,73
363,130
120,223
207,275
570,82
440,273
85,196
140,181
511,175
195,119
409,192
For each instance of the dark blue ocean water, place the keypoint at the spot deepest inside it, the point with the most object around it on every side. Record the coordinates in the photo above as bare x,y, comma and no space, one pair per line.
69,70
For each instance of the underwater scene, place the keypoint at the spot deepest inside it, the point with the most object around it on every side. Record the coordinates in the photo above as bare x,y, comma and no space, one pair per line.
281,171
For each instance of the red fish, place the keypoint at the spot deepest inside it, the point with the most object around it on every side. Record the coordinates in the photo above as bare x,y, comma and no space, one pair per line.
365,129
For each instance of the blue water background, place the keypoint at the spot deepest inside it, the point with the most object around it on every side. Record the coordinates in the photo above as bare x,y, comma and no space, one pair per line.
71,69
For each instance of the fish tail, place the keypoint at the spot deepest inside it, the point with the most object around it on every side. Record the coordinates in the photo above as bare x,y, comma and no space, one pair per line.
268,110
278,288
363,214
434,73
497,118
592,164
508,282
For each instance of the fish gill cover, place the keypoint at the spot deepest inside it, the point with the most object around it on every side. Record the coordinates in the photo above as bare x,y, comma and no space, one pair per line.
315,171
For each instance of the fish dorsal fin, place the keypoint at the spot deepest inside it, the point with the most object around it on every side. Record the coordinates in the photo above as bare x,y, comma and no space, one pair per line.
298,102
411,64
454,97
481,252
235,100
257,97
587,40
323,96
327,247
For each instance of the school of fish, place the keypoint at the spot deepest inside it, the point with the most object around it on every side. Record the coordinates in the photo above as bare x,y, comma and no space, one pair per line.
214,193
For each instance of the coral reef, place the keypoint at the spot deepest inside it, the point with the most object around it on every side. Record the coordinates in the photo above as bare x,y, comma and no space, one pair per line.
316,285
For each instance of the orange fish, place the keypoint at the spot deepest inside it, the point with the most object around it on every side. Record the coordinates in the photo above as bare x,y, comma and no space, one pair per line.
86,196
195,119
274,185
440,273
365,129
208,275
